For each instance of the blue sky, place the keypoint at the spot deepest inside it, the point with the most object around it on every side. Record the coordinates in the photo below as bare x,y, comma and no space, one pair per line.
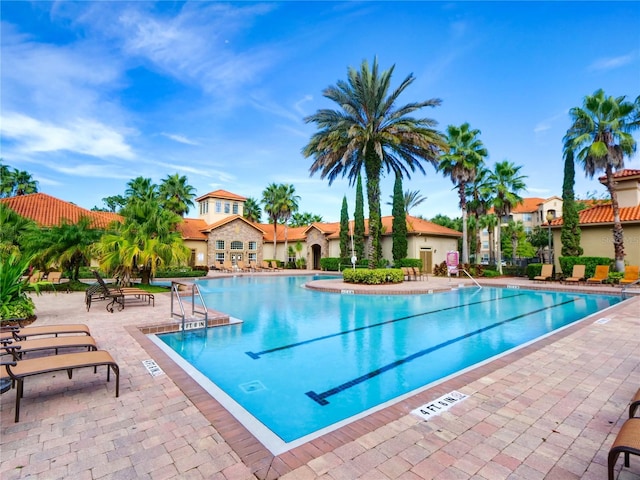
97,93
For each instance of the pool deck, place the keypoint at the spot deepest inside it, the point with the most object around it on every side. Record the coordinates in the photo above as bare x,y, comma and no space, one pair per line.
549,410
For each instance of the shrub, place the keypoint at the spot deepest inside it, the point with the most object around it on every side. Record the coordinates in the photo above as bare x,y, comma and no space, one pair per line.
409,262
377,276
491,273
590,263
14,302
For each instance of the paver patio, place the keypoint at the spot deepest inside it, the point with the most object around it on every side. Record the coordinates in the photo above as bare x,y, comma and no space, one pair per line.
550,410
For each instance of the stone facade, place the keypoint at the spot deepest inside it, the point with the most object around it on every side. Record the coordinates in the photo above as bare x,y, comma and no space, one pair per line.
237,233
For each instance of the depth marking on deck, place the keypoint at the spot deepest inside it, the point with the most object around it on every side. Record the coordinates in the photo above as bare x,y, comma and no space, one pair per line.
439,405
320,398
602,321
153,368
256,355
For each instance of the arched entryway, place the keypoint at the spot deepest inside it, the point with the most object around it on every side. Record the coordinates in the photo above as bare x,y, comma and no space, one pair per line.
316,253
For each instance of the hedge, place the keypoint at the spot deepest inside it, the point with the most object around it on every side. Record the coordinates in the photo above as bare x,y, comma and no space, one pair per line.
590,263
377,276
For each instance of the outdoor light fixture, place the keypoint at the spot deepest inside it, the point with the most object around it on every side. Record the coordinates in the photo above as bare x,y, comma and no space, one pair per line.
550,217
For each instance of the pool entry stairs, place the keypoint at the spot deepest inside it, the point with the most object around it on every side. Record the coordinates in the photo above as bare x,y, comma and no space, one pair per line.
199,317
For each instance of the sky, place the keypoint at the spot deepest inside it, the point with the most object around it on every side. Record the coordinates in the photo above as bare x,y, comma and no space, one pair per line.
94,94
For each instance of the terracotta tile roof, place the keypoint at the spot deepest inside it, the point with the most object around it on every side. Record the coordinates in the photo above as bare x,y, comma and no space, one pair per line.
48,211
293,233
230,219
414,225
192,229
602,214
625,173
221,194
528,205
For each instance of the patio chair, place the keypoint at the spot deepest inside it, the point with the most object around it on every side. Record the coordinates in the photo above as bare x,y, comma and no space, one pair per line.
634,405
577,275
241,265
274,265
117,295
24,333
266,266
35,277
627,441
51,343
601,274
254,266
408,273
546,273
631,275
65,362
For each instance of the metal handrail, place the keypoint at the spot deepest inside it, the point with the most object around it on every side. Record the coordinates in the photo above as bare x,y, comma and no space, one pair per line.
626,286
195,291
468,275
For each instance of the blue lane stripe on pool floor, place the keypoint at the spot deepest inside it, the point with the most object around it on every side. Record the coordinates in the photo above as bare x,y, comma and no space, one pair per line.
257,355
320,398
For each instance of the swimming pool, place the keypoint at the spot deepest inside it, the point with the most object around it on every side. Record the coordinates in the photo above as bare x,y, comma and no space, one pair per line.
304,361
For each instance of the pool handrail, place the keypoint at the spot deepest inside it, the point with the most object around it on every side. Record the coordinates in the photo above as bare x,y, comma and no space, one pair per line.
195,291
469,275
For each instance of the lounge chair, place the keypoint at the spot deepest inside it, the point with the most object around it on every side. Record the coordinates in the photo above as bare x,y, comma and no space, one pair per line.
274,265
545,274
20,334
241,265
631,275
408,273
227,266
634,405
577,275
49,343
417,273
254,266
118,295
266,266
68,361
35,277
601,274
627,441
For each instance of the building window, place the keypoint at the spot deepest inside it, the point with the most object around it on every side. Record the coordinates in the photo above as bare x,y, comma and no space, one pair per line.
253,257
528,230
220,257
253,246
227,207
218,206
219,244
235,208
237,245
526,217
485,245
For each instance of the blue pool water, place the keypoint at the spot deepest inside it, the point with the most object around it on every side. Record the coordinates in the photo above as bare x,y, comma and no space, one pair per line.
303,360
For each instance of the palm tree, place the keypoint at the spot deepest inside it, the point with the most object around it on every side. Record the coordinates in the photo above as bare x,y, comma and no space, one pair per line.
176,194
371,132
252,211
505,182
600,137
287,204
6,181
412,198
140,188
490,222
68,245
515,231
270,200
146,240
466,155
304,219
22,183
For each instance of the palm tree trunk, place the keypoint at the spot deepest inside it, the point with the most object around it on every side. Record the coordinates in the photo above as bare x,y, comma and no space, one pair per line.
618,236
286,250
465,235
275,232
372,171
498,245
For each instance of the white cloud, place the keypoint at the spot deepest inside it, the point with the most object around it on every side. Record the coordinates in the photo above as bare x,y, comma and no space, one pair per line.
83,136
179,138
612,63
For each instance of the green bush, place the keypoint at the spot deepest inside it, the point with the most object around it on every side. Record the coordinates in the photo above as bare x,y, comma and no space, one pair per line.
377,276
184,272
490,273
14,302
614,277
590,263
409,262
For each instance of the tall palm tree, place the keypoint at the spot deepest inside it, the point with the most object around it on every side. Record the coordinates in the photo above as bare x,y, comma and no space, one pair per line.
304,219
271,200
287,204
600,137
252,210
141,188
371,132
505,182
6,181
176,194
490,222
466,155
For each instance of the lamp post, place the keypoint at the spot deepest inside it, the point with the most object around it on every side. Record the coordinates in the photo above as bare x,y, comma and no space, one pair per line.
550,217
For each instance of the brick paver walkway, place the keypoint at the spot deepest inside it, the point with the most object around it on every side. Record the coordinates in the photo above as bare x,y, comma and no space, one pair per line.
550,410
